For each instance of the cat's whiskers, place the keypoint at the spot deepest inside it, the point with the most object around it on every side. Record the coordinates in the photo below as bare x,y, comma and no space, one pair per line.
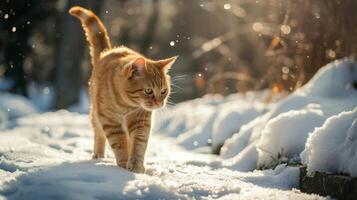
178,77
174,92
170,103
174,85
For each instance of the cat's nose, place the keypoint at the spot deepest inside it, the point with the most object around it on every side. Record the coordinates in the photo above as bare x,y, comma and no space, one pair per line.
157,102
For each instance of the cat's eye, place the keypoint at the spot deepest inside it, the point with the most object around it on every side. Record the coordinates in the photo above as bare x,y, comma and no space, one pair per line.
148,91
163,91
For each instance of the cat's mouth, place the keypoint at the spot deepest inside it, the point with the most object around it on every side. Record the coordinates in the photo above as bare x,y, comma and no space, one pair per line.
153,106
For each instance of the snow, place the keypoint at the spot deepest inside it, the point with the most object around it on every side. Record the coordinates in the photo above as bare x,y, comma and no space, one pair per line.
332,148
231,116
257,135
42,155
13,106
209,120
280,135
16,105
42,95
83,105
285,135
47,156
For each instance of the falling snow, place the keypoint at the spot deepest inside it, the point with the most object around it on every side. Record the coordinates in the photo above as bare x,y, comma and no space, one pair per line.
227,6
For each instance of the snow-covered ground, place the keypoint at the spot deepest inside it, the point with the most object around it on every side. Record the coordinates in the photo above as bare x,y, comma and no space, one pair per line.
46,156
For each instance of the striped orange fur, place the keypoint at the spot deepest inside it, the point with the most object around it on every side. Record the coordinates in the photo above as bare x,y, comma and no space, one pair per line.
125,88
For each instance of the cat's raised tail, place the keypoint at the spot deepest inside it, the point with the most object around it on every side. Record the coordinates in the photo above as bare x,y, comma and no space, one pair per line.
96,32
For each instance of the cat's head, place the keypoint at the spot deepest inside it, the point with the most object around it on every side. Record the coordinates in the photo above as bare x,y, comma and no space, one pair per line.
147,83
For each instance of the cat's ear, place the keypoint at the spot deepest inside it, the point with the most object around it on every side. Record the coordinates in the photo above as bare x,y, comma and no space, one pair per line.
166,64
137,68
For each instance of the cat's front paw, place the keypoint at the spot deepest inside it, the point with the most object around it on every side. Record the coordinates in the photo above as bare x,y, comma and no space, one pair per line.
136,167
97,156
122,164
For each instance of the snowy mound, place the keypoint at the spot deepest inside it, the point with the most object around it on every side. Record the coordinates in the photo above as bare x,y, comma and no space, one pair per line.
13,106
281,134
209,120
255,135
285,135
16,106
336,139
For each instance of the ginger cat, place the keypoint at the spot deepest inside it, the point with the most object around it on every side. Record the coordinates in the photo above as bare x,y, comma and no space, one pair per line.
124,88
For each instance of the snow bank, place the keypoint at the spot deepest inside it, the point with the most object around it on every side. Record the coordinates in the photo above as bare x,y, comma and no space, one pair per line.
282,132
83,105
231,117
286,134
333,147
257,135
13,106
42,95
210,120
16,106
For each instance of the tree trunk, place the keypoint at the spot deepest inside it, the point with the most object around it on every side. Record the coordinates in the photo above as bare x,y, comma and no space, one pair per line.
69,57
150,27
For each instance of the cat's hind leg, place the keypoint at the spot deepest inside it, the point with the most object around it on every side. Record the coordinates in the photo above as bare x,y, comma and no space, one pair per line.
99,139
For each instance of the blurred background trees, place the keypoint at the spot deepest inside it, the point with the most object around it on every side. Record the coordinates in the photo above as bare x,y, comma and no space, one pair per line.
223,46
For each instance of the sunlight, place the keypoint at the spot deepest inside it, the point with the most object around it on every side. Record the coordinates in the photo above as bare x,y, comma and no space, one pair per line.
177,99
